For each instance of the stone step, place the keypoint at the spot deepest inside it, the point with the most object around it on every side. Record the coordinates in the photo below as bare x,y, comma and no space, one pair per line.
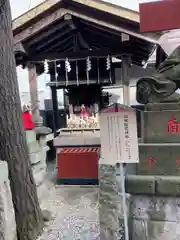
159,159
153,185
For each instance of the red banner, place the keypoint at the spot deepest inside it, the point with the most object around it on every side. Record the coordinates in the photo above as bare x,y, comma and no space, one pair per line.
159,16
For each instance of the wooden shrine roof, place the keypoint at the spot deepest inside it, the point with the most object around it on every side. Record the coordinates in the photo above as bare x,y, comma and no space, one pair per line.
71,28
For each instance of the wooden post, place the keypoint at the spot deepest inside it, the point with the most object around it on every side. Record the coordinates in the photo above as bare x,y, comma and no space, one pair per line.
54,106
33,87
125,79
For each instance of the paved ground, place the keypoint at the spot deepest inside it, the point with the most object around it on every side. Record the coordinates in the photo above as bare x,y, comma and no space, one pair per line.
75,214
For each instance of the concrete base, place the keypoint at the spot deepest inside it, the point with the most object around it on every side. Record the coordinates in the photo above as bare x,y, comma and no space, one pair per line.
75,181
81,138
155,218
155,207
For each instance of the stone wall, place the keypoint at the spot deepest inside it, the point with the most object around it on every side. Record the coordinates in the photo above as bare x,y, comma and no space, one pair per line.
7,217
154,207
37,153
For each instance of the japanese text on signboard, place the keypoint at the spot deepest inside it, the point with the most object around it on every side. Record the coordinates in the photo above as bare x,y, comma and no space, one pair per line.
118,131
126,134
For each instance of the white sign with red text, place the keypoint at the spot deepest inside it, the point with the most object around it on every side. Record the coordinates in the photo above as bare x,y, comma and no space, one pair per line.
118,133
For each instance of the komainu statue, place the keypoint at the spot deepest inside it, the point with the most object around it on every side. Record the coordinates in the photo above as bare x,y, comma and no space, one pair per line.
162,85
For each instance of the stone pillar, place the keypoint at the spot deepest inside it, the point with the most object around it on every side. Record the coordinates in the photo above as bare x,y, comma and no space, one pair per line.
111,213
108,203
33,87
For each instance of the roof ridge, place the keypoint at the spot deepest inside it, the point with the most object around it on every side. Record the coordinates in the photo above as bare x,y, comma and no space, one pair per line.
48,4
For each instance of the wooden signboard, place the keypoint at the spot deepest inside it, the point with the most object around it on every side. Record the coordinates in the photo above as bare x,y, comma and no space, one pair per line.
118,132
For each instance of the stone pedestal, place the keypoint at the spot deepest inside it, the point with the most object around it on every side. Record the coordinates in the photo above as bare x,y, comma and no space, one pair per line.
156,118
37,152
154,210
160,155
37,148
155,189
33,147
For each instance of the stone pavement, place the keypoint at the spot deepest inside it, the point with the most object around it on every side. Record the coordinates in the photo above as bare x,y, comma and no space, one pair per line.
75,213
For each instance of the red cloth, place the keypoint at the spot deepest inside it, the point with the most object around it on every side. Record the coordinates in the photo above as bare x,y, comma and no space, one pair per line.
84,113
28,123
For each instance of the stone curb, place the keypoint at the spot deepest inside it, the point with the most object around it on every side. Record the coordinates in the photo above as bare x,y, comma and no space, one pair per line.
168,186
153,185
138,184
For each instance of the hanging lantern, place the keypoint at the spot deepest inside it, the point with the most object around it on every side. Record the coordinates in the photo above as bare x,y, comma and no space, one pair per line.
67,65
46,66
77,73
88,64
108,63
56,73
67,69
88,68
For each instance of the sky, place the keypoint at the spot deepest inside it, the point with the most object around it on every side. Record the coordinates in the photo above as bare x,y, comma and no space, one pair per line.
18,7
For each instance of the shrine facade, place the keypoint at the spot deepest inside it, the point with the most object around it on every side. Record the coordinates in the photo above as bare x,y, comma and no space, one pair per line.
75,43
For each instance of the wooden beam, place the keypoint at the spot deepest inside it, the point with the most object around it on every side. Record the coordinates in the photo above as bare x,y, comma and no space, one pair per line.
82,41
100,39
29,32
35,12
98,31
76,47
80,55
67,17
57,37
53,17
40,25
55,46
111,8
19,48
107,25
67,47
96,4
46,34
33,92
